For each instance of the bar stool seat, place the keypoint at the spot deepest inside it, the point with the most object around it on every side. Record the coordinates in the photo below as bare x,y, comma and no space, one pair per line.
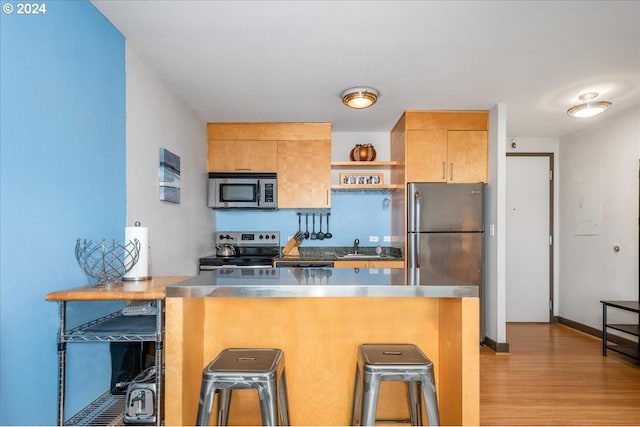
393,362
245,368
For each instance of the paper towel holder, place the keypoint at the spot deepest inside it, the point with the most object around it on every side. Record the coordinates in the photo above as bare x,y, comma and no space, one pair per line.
138,271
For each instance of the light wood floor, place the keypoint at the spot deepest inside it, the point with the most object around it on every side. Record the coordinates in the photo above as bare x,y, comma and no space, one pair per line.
555,375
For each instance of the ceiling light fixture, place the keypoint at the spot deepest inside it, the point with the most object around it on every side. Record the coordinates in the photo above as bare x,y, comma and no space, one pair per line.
359,97
589,107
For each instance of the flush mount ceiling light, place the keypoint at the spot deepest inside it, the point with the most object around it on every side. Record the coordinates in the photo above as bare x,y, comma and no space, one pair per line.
359,97
590,107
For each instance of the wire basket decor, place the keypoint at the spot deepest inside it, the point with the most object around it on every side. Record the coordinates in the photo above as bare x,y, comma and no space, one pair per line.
107,263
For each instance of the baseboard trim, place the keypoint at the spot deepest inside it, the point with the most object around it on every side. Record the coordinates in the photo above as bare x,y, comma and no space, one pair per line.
502,347
617,339
581,327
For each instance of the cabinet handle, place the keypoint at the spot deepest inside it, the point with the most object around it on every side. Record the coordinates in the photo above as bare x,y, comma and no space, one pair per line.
243,169
444,170
451,170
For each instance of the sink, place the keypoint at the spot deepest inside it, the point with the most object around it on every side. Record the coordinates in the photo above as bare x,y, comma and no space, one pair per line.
361,256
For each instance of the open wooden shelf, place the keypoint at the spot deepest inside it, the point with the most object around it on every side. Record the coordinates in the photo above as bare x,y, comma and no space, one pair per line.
384,164
367,187
375,164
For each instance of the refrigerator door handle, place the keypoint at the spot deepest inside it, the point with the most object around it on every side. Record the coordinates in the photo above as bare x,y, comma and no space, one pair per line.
416,211
414,242
414,251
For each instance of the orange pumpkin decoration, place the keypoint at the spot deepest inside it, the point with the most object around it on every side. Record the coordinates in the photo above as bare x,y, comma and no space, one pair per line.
363,152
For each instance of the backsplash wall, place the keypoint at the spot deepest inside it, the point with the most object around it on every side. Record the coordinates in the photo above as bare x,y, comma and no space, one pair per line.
354,215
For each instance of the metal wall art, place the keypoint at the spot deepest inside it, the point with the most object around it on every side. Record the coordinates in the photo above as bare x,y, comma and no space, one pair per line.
169,175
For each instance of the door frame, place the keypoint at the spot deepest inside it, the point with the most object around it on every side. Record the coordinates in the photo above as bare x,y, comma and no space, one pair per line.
550,156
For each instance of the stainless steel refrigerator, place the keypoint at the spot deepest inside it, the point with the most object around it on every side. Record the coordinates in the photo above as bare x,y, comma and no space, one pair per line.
446,232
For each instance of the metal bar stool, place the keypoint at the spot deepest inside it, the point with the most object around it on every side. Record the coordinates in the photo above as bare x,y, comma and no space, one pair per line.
245,368
393,362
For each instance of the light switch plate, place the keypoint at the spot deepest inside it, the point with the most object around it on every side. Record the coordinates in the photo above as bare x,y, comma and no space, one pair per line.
373,239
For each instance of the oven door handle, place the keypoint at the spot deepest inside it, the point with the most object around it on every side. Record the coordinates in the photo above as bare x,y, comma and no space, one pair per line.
208,267
221,267
302,264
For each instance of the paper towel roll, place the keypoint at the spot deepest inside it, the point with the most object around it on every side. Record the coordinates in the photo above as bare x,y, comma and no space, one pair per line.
140,270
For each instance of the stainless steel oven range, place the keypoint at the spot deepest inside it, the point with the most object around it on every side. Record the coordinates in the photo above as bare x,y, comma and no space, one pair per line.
243,249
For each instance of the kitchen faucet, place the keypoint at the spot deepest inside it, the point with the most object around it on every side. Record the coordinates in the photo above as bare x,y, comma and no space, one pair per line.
356,243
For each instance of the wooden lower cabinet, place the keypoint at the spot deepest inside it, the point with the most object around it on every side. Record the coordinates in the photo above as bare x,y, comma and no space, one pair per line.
304,174
368,264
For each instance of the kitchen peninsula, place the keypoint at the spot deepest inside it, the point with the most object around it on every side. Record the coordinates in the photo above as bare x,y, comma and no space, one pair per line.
318,317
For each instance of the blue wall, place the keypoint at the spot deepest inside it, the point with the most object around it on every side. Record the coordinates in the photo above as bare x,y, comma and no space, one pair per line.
62,177
354,215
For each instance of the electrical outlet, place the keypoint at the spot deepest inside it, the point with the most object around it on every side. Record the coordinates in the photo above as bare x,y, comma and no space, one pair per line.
373,239
386,239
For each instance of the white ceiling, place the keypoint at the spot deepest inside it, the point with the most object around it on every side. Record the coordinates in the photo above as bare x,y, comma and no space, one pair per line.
291,60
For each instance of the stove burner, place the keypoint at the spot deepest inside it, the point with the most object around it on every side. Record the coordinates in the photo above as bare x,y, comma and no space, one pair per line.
253,249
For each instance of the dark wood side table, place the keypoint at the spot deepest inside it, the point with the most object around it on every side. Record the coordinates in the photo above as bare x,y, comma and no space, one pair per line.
629,349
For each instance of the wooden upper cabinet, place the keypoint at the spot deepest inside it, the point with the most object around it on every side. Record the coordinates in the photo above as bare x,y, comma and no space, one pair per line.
426,154
304,174
444,146
467,156
242,156
300,153
458,120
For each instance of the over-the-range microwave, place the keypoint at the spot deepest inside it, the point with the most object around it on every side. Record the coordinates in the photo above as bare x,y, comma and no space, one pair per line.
242,191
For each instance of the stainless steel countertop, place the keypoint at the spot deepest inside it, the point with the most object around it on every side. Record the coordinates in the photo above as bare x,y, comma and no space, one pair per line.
321,282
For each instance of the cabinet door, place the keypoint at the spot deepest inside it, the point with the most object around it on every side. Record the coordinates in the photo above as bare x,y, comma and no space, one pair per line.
467,155
304,174
426,155
386,264
351,264
242,156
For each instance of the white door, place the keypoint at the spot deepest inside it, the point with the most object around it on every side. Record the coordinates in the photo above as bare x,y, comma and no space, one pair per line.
528,239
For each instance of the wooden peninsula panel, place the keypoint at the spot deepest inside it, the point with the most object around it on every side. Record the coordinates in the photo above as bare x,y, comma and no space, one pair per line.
319,337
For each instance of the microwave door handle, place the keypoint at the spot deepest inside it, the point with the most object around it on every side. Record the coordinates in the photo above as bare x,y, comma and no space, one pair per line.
259,186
